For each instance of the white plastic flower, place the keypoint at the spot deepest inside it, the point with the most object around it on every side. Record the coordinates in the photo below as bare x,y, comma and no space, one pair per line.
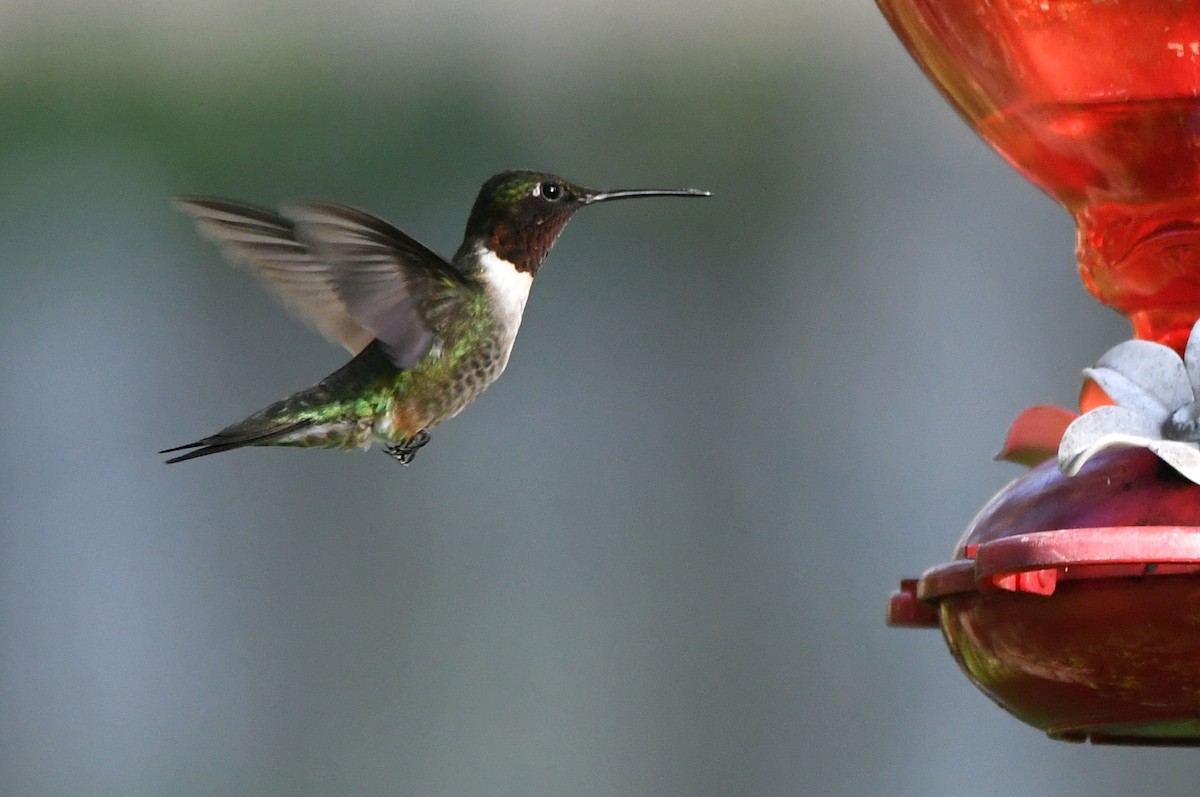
1157,406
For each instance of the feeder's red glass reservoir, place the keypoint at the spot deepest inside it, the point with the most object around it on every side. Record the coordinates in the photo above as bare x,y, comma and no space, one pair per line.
1075,603
1096,102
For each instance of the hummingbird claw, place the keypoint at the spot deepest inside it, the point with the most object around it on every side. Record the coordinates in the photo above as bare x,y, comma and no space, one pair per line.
404,451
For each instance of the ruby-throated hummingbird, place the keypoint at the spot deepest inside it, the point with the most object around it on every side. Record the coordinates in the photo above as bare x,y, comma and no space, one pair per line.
428,334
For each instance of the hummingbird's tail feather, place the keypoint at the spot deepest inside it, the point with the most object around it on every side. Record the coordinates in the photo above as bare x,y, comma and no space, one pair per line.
236,436
338,412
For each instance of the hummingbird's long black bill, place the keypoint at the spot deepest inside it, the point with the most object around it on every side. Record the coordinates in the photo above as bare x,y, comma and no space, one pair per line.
630,193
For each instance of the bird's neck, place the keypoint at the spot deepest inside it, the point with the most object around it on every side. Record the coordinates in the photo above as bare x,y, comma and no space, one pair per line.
506,285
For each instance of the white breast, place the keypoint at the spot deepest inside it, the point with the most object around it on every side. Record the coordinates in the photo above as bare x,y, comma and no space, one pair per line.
508,289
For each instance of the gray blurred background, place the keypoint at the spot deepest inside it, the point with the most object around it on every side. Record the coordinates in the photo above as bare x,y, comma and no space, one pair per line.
654,558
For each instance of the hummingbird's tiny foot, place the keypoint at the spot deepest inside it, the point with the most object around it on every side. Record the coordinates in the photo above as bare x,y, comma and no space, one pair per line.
404,451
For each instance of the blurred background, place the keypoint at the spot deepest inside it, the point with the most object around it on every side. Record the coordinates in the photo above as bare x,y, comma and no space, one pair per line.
654,558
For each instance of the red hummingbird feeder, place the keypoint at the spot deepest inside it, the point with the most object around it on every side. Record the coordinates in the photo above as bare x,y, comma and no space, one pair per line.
1074,601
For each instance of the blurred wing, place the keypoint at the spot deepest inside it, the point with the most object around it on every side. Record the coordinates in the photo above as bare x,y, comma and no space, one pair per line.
267,242
388,281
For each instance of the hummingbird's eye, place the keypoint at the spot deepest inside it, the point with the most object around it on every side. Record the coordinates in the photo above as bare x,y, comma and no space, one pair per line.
551,191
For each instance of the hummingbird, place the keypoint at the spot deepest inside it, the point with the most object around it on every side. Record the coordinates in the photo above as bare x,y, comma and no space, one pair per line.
428,334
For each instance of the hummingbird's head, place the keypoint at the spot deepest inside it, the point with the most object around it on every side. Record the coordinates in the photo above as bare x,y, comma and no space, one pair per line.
518,215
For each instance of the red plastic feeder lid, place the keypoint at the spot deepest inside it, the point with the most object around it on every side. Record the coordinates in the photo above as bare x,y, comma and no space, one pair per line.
1037,562
1085,629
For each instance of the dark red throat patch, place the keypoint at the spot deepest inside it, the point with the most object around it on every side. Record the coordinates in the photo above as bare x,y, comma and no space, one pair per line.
526,245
